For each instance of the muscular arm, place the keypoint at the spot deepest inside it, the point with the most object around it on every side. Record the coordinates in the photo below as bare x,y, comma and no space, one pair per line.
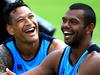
5,59
2,66
49,65
90,65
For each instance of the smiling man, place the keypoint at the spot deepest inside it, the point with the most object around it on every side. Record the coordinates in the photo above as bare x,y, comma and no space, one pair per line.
27,48
77,26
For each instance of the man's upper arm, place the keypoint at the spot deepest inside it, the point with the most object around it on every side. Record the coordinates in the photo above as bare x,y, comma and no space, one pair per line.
49,66
2,66
5,58
90,65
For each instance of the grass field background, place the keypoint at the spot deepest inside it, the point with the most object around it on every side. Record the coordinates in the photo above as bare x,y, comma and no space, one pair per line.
53,10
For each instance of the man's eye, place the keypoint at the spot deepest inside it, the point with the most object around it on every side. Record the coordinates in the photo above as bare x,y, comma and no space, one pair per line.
64,20
20,20
74,22
31,16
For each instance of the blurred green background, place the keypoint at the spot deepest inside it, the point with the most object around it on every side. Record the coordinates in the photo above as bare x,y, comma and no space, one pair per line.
53,10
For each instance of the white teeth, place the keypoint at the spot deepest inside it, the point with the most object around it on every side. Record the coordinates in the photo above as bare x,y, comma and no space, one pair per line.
66,32
30,29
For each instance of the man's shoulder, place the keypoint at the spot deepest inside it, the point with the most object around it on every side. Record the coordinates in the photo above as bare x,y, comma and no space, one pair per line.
6,56
2,47
3,50
90,65
94,47
56,54
57,45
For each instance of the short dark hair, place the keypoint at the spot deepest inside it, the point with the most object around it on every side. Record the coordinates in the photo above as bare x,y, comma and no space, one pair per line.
89,15
10,7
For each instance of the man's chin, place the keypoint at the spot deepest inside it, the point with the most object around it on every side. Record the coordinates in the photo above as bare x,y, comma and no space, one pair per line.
70,44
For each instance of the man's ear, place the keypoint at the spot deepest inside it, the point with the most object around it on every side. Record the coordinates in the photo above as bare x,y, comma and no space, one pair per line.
90,28
10,29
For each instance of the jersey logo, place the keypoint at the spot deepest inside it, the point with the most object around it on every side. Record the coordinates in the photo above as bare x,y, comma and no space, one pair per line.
19,67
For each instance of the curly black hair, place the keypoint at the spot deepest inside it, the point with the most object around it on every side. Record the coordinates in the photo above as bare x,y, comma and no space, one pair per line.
10,7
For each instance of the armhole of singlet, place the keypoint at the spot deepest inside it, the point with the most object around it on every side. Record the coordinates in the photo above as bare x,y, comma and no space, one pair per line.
48,38
49,45
60,61
93,47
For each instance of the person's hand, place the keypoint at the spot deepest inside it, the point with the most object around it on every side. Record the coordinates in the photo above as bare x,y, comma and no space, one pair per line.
5,73
9,72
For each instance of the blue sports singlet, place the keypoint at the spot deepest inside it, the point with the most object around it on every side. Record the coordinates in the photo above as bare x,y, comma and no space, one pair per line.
65,68
93,47
21,65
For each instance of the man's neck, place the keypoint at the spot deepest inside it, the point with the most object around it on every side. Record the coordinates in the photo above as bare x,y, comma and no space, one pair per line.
28,51
77,51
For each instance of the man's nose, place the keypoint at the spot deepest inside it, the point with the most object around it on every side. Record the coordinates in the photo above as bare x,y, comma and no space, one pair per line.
28,21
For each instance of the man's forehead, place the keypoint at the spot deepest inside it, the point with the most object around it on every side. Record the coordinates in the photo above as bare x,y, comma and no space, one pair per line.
20,10
74,13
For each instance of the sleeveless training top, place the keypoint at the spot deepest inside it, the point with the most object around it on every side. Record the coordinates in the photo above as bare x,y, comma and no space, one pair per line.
65,68
93,47
20,64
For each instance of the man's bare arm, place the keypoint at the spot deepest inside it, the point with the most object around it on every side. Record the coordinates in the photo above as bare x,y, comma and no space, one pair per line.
90,65
2,66
48,67
5,59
